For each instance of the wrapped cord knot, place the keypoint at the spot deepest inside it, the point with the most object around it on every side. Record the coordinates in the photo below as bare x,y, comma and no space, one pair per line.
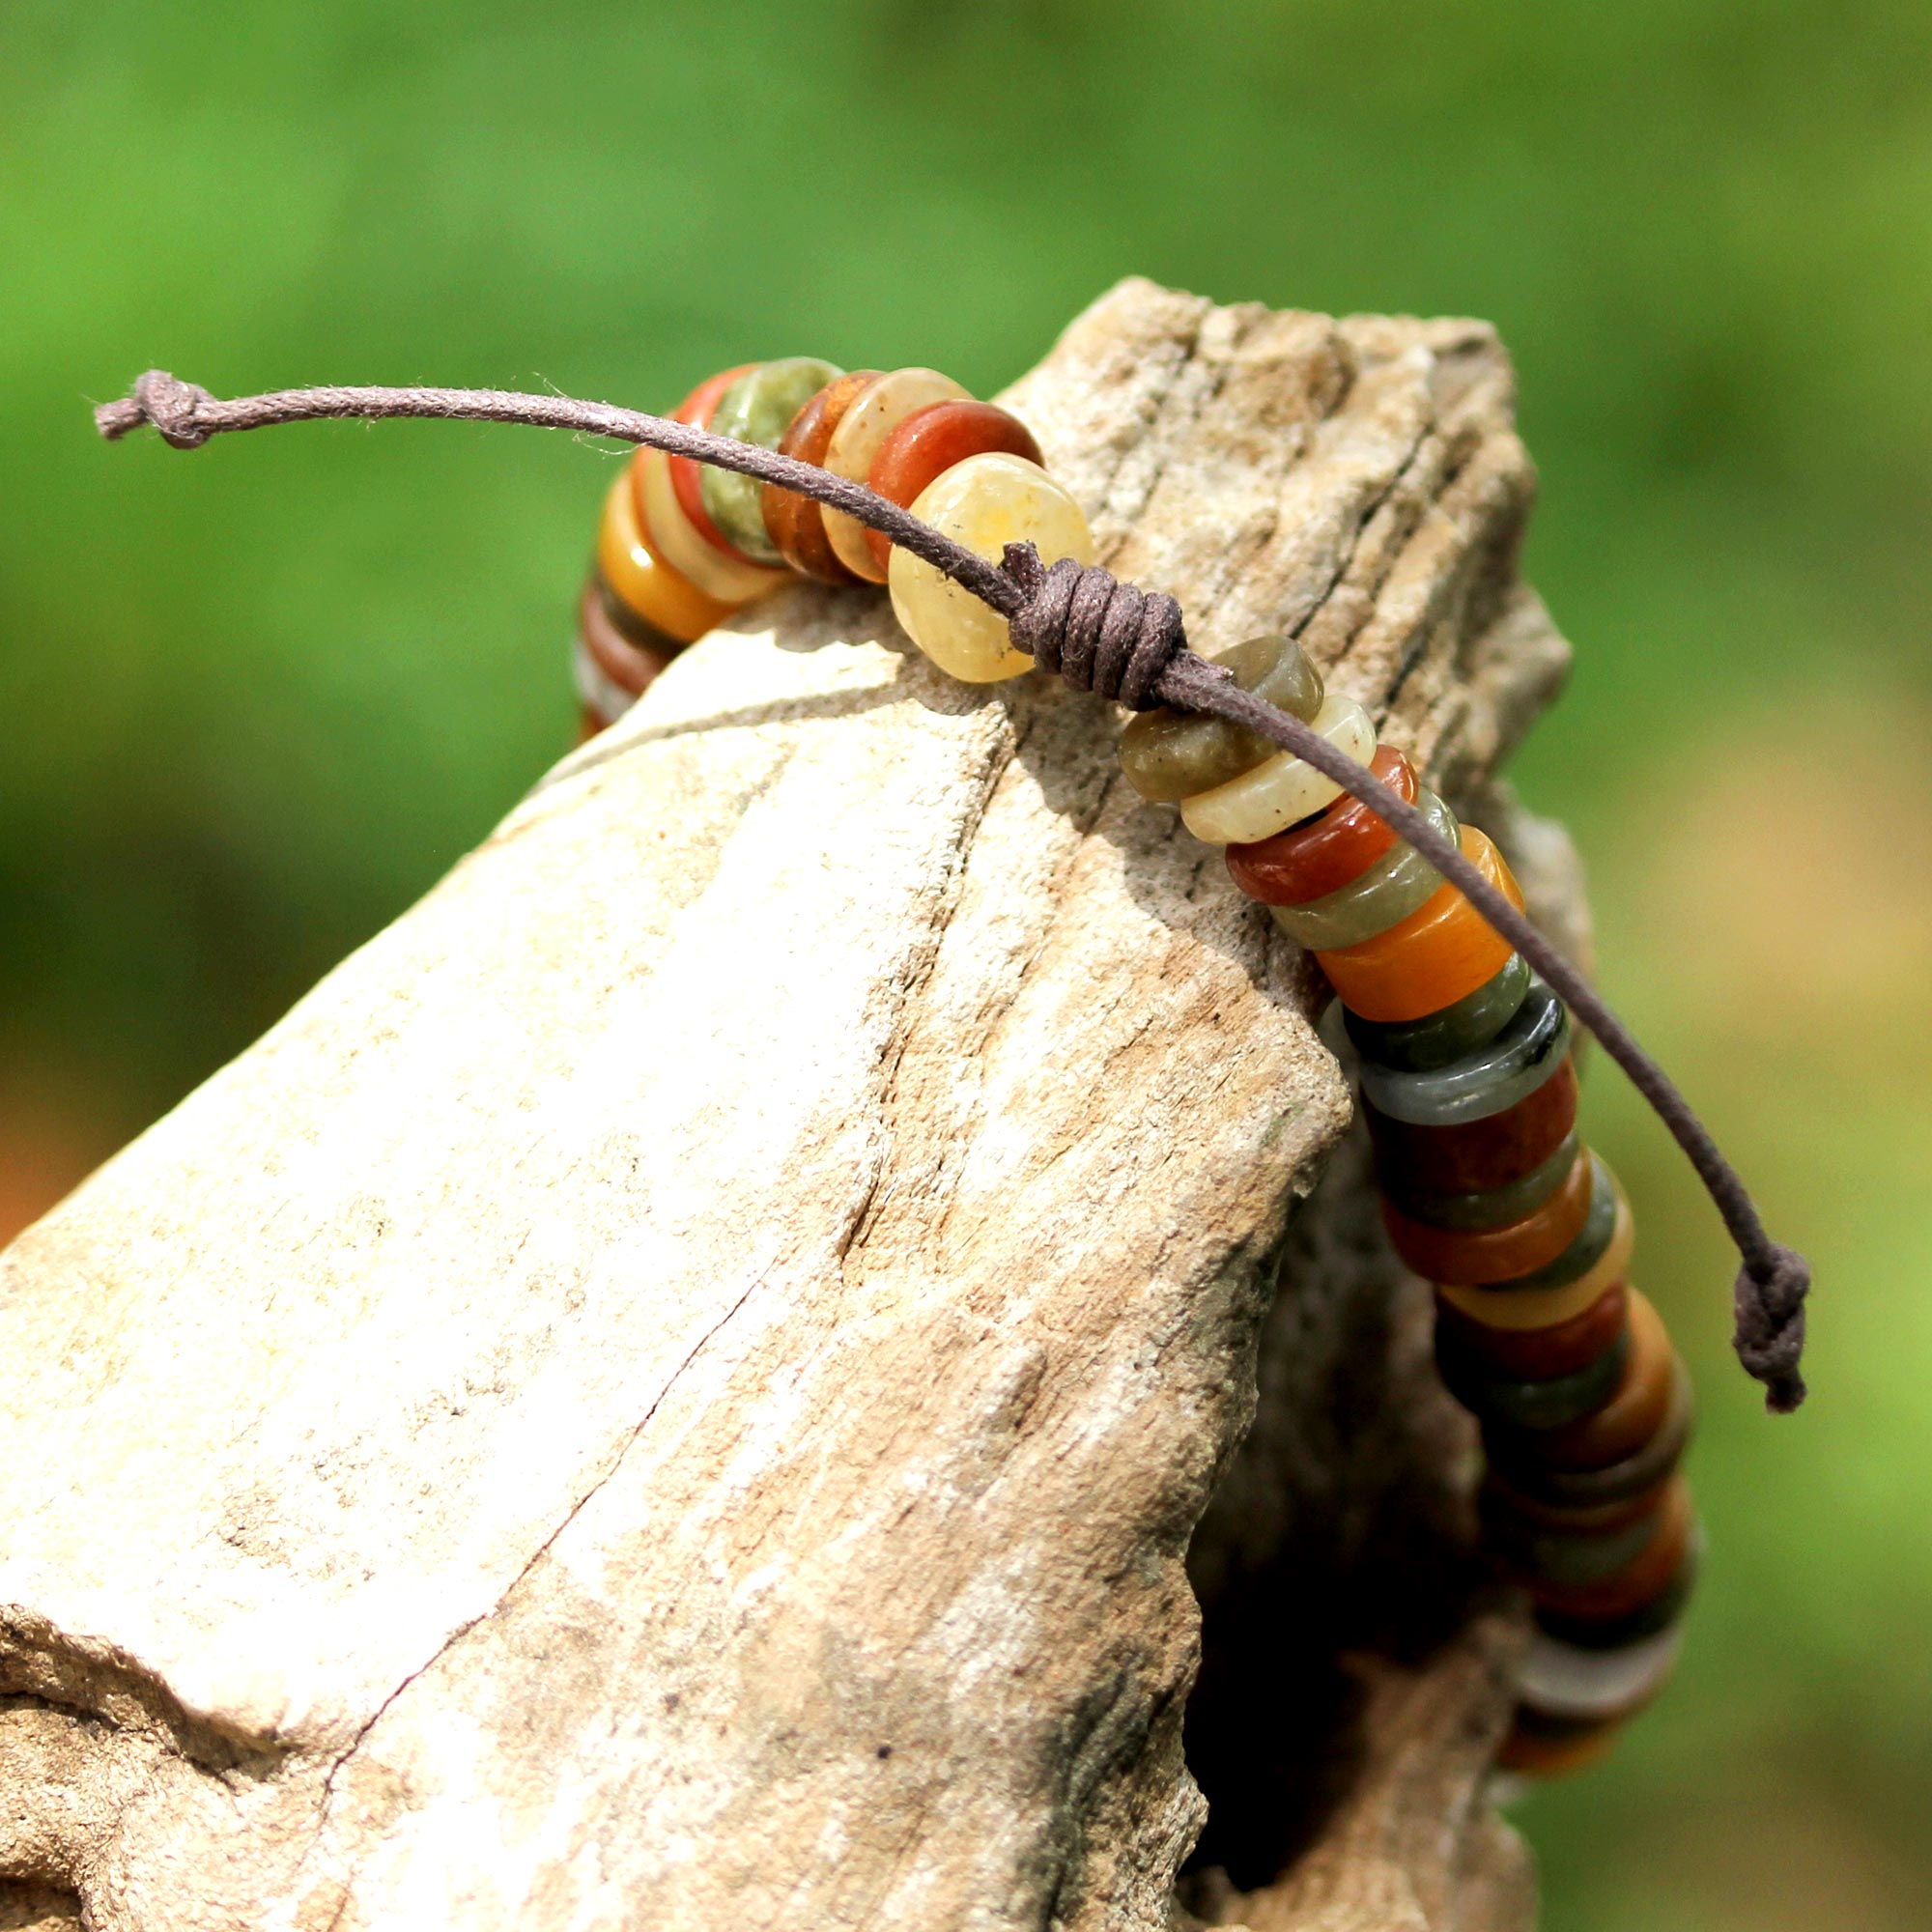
174,408
1769,1334
1081,622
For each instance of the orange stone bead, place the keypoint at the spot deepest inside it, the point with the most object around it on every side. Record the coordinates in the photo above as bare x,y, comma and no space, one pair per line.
646,584
1532,1753
924,446
796,523
1442,950
1473,1258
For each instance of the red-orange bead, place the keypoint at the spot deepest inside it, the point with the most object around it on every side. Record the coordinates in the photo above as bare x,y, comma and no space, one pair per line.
1625,1423
1473,1258
1308,862
1476,1156
686,476
1536,1354
796,523
926,444
628,663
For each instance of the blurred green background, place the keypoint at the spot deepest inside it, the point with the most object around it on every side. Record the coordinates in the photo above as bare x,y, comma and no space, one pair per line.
255,701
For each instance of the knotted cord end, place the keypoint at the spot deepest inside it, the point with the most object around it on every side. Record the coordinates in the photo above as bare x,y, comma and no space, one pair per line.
1099,634
1769,1334
174,408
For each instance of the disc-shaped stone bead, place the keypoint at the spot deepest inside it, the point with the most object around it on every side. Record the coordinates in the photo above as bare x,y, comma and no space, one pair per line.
1666,1608
623,647
757,407
1601,1246
1544,1402
1535,1353
1169,756
1515,1453
1633,1413
1570,1519
1535,1749
1637,1581
1470,1258
1511,1304
1510,1067
1476,1156
601,701
794,522
1386,890
922,447
985,503
722,574
1274,795
1494,1207
1441,951
1412,1046
642,579
687,474
1559,1680
879,409
1533,1551
1309,861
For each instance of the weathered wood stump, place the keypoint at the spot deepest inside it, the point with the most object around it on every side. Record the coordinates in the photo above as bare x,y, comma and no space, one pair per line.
683,1385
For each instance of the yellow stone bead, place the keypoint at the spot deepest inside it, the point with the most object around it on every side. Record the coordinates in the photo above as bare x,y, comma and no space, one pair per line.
879,409
1274,796
642,579
729,579
985,503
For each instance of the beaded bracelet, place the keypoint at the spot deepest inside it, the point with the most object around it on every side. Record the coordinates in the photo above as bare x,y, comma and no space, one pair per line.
1455,1006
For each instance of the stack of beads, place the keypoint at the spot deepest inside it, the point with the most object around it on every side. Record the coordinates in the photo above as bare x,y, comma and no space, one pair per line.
1487,1191
683,544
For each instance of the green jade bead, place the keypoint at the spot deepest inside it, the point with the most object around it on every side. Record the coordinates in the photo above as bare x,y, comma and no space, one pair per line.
1509,1068
1169,756
1412,1046
1383,896
1545,1403
757,407
1494,1207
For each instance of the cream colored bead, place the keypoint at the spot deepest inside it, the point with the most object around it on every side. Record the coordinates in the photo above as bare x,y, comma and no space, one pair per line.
1273,796
731,579
985,503
881,406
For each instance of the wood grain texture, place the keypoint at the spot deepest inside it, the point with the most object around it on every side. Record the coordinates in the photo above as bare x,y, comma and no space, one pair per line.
677,1386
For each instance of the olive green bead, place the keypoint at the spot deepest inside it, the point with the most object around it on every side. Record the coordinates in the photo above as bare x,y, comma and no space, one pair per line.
757,407
1169,756
1381,895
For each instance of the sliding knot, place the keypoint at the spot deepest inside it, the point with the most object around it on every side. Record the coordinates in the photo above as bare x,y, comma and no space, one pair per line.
172,405
1097,633
1769,1334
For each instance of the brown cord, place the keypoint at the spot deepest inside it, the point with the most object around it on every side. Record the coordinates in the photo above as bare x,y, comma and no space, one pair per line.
1130,645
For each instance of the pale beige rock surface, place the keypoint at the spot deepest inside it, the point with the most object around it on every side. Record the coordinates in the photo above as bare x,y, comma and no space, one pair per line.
675,1388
